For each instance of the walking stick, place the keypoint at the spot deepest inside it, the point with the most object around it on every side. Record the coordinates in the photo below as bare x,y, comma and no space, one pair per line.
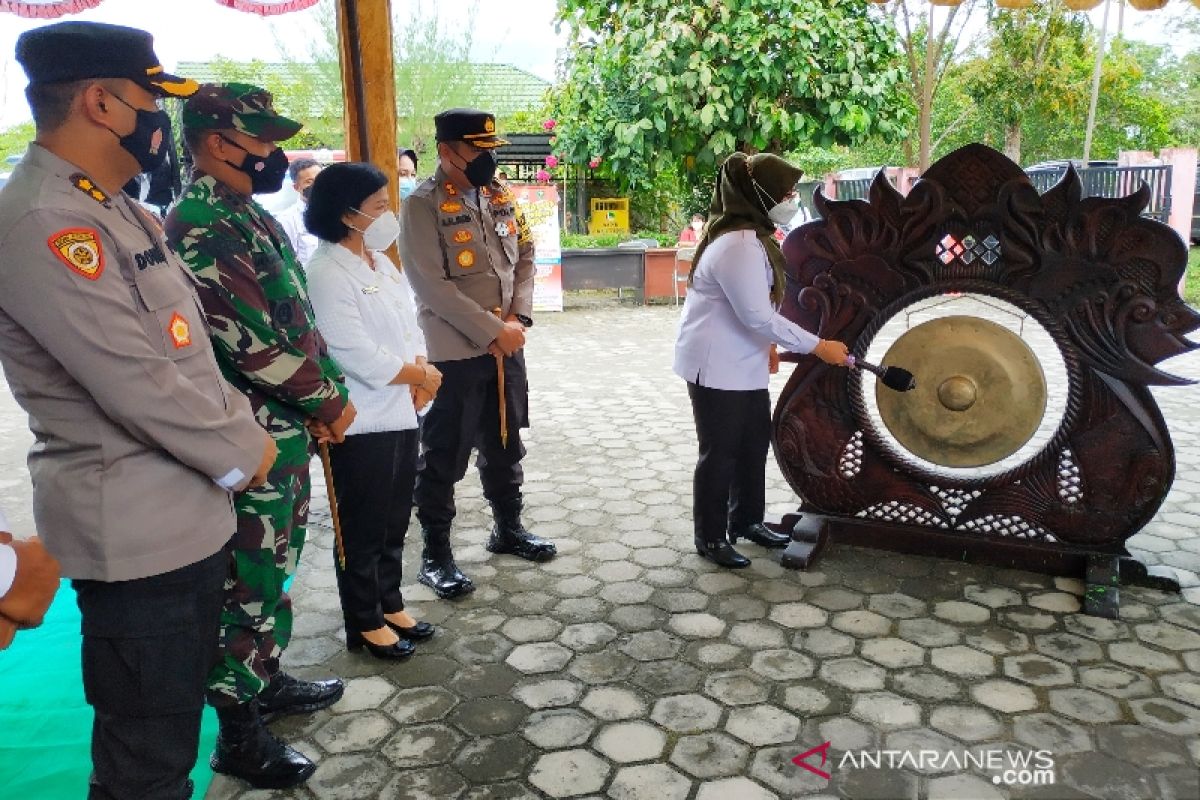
500,385
333,509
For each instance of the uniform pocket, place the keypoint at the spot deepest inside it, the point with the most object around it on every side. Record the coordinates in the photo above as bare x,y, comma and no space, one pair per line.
170,317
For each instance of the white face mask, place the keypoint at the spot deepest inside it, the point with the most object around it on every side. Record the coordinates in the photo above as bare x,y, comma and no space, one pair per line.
782,213
382,231
697,225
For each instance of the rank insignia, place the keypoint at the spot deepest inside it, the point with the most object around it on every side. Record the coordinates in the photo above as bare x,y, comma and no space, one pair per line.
84,184
502,230
451,207
79,249
489,126
466,259
180,331
462,237
449,187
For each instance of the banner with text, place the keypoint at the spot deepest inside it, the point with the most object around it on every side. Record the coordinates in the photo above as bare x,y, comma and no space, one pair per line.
540,204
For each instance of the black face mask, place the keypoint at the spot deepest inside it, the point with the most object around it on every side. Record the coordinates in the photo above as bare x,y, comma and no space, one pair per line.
479,170
266,174
147,143
306,193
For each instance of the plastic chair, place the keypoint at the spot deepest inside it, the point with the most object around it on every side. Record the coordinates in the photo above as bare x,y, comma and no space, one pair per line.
683,267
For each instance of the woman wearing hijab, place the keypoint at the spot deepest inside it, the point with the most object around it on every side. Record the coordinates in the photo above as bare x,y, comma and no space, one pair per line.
364,311
726,350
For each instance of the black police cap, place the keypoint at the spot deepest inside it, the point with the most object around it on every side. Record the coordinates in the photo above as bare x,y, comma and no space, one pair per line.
75,51
468,125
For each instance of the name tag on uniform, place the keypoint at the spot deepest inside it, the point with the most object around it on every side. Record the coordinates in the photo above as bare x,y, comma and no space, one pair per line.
370,289
502,229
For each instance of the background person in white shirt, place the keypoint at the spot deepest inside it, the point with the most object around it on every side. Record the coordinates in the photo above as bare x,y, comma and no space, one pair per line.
28,580
365,313
726,350
303,172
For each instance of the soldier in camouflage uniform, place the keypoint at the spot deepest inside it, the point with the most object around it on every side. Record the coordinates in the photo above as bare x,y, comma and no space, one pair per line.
263,330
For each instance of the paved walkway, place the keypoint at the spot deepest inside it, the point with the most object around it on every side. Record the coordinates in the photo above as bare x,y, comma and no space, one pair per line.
628,668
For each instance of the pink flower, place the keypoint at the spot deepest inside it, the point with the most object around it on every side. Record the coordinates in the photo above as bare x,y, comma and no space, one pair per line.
543,176
595,162
551,161
548,125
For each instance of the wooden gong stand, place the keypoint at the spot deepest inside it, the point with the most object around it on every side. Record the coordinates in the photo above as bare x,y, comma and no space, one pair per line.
1098,277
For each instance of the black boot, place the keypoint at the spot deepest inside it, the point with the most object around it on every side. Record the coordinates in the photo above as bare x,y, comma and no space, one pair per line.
759,534
509,535
438,570
287,695
722,554
247,750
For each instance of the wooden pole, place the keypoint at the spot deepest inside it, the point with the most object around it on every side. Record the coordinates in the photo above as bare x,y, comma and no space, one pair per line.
369,85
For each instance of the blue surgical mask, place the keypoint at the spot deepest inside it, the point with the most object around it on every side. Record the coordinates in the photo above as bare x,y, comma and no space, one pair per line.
407,185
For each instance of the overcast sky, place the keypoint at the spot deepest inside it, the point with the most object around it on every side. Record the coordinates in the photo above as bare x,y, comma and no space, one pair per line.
517,32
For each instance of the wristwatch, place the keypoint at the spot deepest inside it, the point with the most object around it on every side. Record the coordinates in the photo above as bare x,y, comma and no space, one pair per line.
524,320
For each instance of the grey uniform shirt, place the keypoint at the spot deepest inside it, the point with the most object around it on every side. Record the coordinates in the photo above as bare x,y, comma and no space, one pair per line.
138,437
465,254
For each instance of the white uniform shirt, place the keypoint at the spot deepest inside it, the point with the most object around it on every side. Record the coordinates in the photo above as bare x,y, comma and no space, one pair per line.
728,321
8,560
367,319
303,242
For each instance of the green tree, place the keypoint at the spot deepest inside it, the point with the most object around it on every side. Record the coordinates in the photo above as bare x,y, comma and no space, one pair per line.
656,85
13,142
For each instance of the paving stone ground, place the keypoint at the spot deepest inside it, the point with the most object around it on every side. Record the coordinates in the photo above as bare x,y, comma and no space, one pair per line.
629,668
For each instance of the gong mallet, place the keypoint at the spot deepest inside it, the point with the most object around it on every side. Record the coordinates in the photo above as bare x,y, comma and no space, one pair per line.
333,508
893,377
500,393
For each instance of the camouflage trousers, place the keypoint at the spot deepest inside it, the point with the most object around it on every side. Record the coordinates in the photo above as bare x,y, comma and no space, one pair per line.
256,621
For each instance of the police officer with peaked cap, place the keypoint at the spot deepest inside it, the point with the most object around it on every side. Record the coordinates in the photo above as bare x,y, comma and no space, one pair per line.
139,440
468,254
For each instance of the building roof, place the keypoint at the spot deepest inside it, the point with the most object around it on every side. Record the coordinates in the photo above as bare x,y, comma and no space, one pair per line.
500,88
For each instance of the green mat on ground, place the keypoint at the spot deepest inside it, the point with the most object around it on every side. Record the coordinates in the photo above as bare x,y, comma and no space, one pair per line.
45,725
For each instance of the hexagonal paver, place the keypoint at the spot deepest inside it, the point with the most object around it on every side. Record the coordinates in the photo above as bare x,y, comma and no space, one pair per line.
736,688
1142,658
893,653
917,739
697,626
613,703
479,648
886,711
1166,715
928,632
835,598
488,716
531,629
539,657
853,674
559,727
962,660
1053,733
958,787
1038,670
798,615
651,645
773,766
363,694
569,773
849,733
763,725
1004,696
824,642
782,665
422,784
686,713
1115,681
348,733
1101,776
587,636
807,700
484,680
897,606
347,777
548,692
730,788
1148,748
420,705
421,745
926,684
625,742
862,624
603,667
709,755
491,759
1068,647
757,636
959,612
992,596
649,782
1084,705
627,592
1058,602
966,723
998,641
1184,686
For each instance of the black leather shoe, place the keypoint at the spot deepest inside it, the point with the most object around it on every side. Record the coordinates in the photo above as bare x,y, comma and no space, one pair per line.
444,577
509,536
422,630
246,749
287,695
761,535
722,554
396,651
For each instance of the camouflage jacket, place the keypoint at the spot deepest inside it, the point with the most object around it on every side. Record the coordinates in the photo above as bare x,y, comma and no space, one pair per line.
256,299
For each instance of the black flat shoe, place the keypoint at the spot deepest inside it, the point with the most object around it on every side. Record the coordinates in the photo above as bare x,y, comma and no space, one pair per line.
761,535
287,695
396,651
722,554
422,630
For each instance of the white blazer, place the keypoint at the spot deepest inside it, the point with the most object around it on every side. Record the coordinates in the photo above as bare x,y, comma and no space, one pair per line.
728,320
367,319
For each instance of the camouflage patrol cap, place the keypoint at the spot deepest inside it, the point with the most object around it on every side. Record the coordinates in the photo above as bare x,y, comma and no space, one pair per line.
238,106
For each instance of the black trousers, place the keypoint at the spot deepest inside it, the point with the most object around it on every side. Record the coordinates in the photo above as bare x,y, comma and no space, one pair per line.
466,415
148,645
734,432
373,475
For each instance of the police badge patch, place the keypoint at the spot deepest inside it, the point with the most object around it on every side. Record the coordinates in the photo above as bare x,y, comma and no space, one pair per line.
79,249
180,331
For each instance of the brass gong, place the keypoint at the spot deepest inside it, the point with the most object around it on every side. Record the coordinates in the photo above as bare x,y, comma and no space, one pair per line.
980,395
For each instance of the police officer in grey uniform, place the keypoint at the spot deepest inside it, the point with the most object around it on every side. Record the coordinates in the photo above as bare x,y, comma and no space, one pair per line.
469,257
139,441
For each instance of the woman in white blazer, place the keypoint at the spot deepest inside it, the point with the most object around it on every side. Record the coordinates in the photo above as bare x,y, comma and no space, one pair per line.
364,311
726,350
